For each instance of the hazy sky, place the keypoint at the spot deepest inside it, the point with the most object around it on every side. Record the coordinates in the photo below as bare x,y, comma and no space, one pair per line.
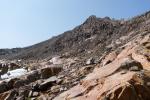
26,22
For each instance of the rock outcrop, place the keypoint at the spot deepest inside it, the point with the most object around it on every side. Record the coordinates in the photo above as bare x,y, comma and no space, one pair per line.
126,77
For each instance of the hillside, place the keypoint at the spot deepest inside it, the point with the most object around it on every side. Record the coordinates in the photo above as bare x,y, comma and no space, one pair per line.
101,59
94,34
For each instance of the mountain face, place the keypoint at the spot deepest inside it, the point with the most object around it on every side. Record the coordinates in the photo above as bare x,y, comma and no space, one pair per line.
94,34
101,59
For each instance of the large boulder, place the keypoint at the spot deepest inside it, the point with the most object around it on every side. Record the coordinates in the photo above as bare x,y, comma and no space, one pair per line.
33,76
3,87
13,66
49,71
12,95
48,83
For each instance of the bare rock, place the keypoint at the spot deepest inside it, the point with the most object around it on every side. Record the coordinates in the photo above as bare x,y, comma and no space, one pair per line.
108,83
12,95
55,89
33,76
47,83
90,61
49,71
3,87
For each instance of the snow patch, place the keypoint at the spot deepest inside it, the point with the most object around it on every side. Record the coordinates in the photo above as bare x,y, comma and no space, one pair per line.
14,73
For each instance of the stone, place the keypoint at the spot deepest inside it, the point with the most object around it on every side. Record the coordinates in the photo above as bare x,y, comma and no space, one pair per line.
63,89
61,76
30,94
33,76
59,81
3,70
131,64
35,87
90,61
110,82
3,87
24,92
10,83
134,68
109,58
19,83
56,60
33,98
47,83
20,98
12,95
35,94
49,71
55,89
13,66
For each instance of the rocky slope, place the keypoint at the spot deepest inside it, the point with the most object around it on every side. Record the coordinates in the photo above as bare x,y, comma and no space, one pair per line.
102,59
95,34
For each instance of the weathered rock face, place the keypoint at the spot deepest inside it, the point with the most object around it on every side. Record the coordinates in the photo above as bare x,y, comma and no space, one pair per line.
49,71
47,83
111,82
125,77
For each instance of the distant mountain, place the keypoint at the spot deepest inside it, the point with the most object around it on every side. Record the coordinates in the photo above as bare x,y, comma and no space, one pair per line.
95,34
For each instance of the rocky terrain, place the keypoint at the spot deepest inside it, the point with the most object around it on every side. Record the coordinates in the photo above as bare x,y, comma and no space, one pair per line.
102,59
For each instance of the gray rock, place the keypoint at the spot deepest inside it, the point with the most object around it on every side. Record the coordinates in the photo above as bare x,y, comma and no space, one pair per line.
33,76
134,68
20,98
24,92
131,63
35,94
90,61
20,83
12,95
55,89
3,87
47,83
10,83
49,71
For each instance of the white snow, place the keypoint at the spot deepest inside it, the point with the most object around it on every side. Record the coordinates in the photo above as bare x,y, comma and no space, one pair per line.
14,73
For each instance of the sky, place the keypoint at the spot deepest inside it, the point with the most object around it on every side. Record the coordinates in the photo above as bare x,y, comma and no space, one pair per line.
27,22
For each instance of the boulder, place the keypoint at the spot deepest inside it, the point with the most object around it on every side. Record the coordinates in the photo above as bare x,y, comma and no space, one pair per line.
33,76
49,71
4,95
90,61
10,83
55,89
47,83
12,95
3,70
13,66
23,93
3,87
56,60
130,64
33,94
20,82
109,58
